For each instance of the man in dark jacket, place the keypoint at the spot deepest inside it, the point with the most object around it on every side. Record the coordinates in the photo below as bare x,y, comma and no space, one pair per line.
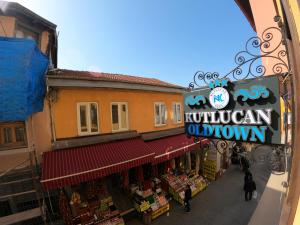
248,175
249,187
244,163
187,198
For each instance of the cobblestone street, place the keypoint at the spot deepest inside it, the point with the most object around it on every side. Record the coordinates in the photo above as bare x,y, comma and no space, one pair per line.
222,203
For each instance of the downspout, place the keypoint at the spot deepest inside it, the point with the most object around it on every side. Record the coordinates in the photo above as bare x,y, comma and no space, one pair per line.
51,99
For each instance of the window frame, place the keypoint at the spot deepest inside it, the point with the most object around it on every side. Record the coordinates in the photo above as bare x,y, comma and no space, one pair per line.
175,121
14,144
160,114
119,116
88,119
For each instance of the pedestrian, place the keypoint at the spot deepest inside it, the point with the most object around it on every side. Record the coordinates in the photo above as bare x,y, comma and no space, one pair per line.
248,175
244,163
249,187
187,198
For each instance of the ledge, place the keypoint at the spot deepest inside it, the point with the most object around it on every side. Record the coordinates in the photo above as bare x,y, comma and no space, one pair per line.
90,140
148,136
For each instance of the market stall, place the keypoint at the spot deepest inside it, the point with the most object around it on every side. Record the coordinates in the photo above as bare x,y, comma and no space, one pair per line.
210,169
177,185
150,202
89,203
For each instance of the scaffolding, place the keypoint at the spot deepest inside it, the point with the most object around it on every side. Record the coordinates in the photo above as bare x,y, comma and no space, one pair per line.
21,196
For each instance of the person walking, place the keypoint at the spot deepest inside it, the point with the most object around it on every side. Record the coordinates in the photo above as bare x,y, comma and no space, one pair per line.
187,198
249,187
248,175
244,163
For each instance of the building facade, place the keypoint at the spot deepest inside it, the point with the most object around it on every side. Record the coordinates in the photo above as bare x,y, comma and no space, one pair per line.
284,15
23,139
88,108
17,21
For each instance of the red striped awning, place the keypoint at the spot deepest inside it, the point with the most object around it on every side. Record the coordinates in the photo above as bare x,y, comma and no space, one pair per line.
171,147
81,164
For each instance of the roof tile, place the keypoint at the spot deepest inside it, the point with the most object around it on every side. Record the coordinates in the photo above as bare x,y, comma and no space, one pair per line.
110,77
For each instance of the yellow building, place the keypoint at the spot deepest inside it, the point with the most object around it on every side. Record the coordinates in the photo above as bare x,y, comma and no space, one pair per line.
285,15
119,103
90,110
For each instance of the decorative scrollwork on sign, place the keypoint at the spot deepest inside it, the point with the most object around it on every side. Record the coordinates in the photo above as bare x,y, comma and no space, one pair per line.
249,61
219,145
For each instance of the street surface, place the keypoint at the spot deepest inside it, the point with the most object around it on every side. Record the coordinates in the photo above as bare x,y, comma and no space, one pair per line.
222,203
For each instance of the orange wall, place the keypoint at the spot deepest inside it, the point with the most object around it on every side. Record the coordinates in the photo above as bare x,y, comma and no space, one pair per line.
9,24
12,160
44,41
140,109
42,130
263,14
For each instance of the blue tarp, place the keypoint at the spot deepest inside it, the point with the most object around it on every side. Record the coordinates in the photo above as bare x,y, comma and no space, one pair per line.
22,79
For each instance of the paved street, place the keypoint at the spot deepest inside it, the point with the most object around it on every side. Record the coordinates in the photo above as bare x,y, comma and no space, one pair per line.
222,203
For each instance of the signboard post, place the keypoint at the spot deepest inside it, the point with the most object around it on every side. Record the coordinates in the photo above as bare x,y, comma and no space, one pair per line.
244,110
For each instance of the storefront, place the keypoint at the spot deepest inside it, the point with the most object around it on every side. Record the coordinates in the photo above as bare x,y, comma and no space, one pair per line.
178,157
84,197
144,172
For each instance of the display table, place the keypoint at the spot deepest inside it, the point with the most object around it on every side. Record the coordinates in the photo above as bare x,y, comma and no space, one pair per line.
160,211
177,185
91,213
150,204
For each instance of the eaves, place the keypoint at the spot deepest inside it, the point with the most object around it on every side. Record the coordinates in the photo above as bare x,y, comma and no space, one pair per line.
58,81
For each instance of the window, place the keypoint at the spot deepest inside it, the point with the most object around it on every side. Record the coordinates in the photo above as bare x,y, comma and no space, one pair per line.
12,135
24,32
160,114
119,114
176,112
87,116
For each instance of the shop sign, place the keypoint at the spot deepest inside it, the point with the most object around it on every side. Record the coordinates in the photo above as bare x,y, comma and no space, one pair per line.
245,110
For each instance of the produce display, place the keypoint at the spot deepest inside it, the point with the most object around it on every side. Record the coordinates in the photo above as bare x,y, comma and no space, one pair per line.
150,201
91,204
177,185
210,169
64,209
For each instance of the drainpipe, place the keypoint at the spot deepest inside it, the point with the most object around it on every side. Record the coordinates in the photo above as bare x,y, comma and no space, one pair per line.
50,101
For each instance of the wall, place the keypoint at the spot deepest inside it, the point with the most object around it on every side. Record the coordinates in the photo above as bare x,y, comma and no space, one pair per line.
38,130
44,41
292,205
42,131
38,126
140,109
13,160
8,23
263,14
294,8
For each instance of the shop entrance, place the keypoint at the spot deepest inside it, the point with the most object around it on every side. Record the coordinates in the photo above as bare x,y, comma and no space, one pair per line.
120,198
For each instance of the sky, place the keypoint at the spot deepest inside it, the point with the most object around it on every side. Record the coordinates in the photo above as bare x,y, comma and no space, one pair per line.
169,40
